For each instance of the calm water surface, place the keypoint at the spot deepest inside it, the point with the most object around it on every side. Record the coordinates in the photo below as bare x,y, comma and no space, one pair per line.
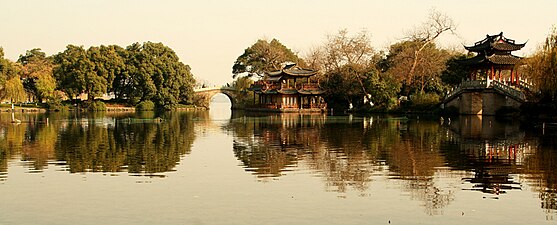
219,167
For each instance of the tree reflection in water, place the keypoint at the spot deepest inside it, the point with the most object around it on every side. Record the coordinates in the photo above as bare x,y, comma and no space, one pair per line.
346,151
138,144
429,158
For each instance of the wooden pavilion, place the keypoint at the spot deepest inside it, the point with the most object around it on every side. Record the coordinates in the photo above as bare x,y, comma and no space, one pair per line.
494,59
290,89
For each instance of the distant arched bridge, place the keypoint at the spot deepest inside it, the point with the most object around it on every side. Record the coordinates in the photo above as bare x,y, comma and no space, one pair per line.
204,95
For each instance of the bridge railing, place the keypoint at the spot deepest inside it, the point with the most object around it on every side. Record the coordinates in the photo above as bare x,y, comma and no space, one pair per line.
454,92
467,85
508,90
525,85
483,84
474,84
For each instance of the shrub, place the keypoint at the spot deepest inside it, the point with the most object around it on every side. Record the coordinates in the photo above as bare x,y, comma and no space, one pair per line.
425,100
96,106
56,106
145,106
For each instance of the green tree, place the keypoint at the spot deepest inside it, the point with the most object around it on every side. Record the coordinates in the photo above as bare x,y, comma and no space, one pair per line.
263,57
454,72
133,84
74,71
37,73
155,73
242,84
108,63
383,89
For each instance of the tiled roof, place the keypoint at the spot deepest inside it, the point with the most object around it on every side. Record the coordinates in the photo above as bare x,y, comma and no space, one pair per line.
503,59
506,59
293,70
495,42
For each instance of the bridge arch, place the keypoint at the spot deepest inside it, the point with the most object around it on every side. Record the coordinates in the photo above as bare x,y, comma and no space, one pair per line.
206,94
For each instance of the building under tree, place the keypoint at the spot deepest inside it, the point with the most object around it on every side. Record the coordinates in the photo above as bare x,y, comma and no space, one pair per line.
291,89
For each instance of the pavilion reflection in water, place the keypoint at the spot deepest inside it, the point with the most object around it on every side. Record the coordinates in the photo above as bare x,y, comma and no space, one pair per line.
504,158
426,160
495,151
269,145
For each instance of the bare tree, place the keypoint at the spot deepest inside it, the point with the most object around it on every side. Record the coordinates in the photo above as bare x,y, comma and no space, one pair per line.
349,56
342,49
315,58
436,24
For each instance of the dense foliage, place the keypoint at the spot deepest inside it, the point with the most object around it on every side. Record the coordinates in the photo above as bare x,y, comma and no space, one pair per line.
542,68
139,72
355,76
262,57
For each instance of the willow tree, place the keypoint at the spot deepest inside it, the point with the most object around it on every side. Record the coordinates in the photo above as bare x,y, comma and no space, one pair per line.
11,87
542,67
263,57
13,90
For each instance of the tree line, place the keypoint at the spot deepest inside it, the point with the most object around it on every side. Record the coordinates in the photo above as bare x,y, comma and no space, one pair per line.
148,72
413,73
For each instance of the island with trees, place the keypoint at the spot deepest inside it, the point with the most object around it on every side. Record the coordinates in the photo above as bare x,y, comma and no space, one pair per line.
413,74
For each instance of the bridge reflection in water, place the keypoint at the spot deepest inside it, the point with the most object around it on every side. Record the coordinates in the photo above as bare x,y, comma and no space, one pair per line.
432,161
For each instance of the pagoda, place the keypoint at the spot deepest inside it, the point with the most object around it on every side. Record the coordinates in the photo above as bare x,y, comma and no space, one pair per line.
290,89
494,85
494,59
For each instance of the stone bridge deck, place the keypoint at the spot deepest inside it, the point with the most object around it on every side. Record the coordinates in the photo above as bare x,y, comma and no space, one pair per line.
206,94
486,97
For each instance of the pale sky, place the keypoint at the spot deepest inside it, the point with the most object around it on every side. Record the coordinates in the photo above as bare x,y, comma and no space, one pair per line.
209,35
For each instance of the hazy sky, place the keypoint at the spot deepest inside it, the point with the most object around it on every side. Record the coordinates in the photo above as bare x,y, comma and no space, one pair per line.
209,35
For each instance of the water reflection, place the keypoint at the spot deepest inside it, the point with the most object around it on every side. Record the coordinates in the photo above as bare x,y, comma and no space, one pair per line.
269,145
493,150
431,161
428,158
141,144
346,152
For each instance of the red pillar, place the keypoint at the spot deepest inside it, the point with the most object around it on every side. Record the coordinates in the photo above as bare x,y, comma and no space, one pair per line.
512,76
492,72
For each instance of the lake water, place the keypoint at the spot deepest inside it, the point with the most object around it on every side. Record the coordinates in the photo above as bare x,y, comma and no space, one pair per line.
222,167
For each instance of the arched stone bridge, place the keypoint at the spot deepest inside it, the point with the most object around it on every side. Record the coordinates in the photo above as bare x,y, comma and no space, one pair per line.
203,96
